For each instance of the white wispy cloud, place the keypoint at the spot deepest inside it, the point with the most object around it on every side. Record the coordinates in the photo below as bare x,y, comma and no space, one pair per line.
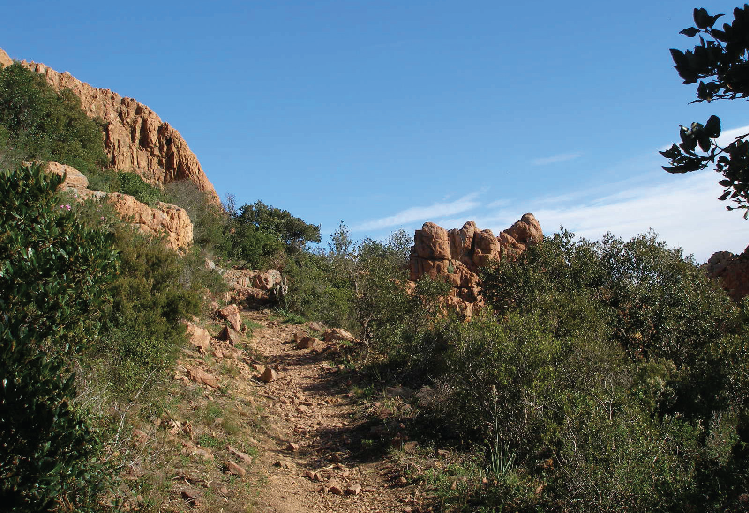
685,212
727,136
563,157
421,214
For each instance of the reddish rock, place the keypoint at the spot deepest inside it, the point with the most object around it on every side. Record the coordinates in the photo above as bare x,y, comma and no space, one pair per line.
4,59
731,271
230,314
457,255
246,458
198,337
269,374
163,218
200,376
230,335
338,334
308,342
267,280
235,469
75,181
135,138
432,242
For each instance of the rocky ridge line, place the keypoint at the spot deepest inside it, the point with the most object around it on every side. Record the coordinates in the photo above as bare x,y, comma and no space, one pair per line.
136,139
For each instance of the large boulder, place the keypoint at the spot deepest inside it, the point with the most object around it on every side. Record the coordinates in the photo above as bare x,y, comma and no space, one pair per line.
163,218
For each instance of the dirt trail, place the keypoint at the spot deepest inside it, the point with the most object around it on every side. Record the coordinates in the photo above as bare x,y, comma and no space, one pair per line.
309,459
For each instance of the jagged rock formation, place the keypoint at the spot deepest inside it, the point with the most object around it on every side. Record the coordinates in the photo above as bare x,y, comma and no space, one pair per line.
456,255
732,271
136,139
4,59
162,219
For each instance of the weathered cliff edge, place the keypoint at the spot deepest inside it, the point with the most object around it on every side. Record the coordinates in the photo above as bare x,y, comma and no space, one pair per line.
136,139
457,255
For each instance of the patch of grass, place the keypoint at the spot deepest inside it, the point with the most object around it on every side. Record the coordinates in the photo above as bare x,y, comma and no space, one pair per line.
205,440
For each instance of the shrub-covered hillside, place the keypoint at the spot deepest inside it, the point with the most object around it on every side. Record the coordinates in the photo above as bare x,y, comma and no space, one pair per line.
605,375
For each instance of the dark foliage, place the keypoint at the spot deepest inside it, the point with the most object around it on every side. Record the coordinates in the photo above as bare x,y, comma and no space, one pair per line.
720,67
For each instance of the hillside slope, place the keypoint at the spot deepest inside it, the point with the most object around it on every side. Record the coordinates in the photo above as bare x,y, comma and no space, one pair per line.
136,139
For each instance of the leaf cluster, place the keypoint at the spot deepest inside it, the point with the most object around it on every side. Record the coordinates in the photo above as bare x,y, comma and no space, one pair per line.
719,64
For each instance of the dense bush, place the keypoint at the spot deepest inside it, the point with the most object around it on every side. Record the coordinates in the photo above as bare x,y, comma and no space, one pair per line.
151,294
611,376
37,122
209,220
53,278
260,236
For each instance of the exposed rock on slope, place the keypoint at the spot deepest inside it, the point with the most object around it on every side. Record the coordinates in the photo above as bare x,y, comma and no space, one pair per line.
166,219
136,139
732,271
4,59
458,254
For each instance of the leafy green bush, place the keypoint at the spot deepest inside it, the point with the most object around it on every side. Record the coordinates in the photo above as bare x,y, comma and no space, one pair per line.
133,185
260,235
611,376
150,296
40,123
53,277
208,218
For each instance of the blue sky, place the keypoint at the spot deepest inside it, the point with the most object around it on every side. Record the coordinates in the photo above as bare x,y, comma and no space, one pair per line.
387,114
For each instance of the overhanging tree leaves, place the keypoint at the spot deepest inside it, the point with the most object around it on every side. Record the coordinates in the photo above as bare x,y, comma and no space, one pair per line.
719,65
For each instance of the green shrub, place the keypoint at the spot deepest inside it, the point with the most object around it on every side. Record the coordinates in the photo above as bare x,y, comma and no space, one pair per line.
208,217
53,277
150,296
133,185
40,123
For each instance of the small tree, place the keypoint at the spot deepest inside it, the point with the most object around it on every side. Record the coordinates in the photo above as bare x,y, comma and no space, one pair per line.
720,67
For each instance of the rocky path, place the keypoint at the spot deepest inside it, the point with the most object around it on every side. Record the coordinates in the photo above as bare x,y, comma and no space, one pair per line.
310,458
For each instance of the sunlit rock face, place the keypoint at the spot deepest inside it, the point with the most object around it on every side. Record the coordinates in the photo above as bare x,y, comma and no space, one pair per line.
135,137
456,256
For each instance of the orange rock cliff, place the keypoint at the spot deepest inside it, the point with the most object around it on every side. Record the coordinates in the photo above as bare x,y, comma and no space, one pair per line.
135,137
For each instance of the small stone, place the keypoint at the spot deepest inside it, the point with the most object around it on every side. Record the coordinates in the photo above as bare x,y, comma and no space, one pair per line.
200,376
203,453
139,437
235,469
353,489
309,343
246,458
292,447
230,335
191,496
269,374
335,488
316,326
402,481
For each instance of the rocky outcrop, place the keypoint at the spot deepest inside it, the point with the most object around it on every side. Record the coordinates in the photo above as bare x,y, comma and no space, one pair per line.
162,219
732,271
136,139
4,59
456,256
